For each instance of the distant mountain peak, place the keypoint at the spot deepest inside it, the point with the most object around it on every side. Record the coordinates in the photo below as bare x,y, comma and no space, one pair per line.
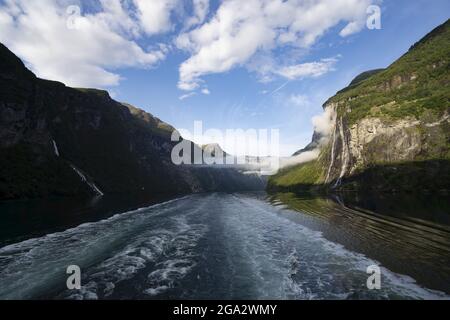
212,148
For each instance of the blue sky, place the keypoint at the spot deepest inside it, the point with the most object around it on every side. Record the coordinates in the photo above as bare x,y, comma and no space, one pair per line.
242,94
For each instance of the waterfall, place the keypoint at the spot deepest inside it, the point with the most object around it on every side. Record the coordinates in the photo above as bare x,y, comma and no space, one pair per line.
89,183
344,155
55,148
333,146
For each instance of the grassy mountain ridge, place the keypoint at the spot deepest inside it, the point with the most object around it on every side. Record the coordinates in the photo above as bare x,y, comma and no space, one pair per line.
391,128
360,78
417,82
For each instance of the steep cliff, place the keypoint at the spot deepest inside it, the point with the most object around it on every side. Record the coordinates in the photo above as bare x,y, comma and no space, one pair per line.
390,128
56,140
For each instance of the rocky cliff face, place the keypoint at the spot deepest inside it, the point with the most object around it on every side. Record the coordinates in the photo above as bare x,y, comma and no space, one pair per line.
388,147
56,140
390,129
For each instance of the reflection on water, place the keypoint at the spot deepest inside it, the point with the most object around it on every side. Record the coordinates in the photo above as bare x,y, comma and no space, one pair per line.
408,234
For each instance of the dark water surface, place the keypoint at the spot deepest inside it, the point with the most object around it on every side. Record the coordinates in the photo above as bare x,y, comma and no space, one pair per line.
226,246
25,219
409,234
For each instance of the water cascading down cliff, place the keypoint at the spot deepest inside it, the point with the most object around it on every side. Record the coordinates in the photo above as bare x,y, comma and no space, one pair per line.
390,128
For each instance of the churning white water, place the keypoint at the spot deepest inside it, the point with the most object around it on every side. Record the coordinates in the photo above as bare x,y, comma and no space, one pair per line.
220,246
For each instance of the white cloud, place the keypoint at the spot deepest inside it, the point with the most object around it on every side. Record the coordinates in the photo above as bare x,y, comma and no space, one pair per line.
115,16
85,55
241,29
200,8
155,15
187,95
351,28
109,38
204,91
324,122
299,100
323,125
300,158
310,69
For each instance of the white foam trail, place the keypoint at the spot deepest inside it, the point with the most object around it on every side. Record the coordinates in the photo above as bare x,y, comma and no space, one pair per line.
32,266
149,252
304,265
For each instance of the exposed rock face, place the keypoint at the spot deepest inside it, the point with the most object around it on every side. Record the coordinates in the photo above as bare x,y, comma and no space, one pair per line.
392,127
56,140
374,141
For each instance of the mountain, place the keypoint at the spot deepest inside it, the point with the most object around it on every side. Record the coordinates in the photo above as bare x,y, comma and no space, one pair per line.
214,150
360,78
56,140
390,130
315,143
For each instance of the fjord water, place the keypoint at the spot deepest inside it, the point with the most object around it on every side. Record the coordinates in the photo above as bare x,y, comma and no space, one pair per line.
237,246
